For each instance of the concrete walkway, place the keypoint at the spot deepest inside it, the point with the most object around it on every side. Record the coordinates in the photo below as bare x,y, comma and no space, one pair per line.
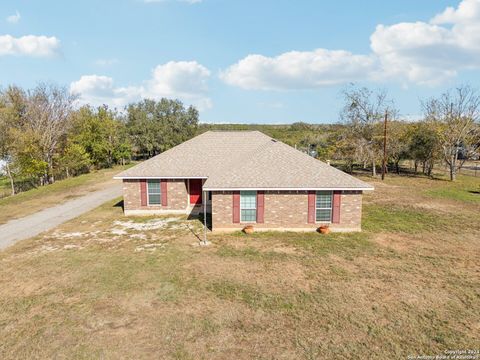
32,225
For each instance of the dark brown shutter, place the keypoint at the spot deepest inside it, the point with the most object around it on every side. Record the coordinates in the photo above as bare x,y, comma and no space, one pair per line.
236,207
311,207
163,191
143,192
260,206
337,196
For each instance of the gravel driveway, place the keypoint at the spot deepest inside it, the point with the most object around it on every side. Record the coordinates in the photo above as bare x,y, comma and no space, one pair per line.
31,225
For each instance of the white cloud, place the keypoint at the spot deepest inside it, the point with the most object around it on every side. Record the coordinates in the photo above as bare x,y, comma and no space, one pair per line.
29,45
410,52
431,52
467,11
298,70
98,90
184,80
13,19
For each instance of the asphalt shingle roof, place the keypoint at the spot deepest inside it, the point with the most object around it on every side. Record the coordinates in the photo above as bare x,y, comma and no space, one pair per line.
243,160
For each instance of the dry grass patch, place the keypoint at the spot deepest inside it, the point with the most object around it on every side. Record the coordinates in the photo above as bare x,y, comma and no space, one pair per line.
106,286
29,202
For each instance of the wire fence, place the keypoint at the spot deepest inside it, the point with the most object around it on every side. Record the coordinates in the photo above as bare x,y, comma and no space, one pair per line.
471,168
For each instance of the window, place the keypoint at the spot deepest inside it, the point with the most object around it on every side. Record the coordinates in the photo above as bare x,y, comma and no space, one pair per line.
323,206
154,197
248,206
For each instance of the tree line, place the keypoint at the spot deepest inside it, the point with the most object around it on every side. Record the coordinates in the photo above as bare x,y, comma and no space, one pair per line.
448,132
45,136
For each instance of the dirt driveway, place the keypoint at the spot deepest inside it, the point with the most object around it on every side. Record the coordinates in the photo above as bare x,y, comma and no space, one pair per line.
31,225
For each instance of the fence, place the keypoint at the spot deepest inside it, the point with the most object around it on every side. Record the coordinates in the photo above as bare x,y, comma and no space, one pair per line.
470,168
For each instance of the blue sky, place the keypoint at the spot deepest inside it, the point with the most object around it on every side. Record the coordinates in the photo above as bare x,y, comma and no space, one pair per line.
261,61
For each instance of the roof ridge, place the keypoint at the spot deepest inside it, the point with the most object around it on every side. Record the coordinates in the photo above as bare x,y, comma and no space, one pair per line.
242,158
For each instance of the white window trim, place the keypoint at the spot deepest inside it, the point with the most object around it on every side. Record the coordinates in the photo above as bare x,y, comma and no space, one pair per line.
159,193
256,206
331,208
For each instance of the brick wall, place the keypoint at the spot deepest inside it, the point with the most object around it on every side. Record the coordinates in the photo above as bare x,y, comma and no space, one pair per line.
287,210
177,198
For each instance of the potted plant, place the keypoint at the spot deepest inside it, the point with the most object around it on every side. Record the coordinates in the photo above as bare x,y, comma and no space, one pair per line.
248,229
324,229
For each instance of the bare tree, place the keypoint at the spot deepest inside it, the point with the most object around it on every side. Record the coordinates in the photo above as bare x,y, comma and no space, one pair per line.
363,110
455,114
48,113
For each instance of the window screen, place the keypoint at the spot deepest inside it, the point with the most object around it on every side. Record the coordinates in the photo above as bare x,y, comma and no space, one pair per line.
154,193
323,206
248,206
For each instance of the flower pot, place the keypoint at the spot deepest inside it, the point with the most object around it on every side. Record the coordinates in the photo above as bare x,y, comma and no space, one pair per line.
323,230
248,229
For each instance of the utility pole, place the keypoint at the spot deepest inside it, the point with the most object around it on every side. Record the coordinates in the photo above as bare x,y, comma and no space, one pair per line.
384,162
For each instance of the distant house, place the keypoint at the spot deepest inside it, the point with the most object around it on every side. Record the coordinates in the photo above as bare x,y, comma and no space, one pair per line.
244,178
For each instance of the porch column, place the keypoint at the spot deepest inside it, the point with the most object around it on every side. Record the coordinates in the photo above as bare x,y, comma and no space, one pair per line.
204,198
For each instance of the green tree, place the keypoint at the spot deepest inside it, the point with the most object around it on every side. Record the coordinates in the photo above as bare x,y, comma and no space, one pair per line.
156,126
12,110
424,146
102,135
398,139
28,158
75,160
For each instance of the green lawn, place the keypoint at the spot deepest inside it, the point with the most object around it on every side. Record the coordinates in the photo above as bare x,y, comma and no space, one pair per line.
466,190
104,286
4,187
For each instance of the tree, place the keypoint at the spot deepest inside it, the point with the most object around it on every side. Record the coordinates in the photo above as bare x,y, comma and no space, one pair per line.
47,115
455,114
101,134
6,151
300,126
29,157
156,126
363,110
75,160
398,139
12,108
424,146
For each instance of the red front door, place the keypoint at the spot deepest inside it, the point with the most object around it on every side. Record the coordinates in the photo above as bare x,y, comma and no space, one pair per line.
195,191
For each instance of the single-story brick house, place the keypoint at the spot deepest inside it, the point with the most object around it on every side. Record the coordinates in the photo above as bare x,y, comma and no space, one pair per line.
244,178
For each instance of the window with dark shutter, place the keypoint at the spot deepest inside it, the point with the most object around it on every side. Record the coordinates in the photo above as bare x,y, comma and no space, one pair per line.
323,206
154,193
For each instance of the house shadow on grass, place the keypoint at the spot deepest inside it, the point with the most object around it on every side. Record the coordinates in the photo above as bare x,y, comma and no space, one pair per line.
194,229
119,204
199,217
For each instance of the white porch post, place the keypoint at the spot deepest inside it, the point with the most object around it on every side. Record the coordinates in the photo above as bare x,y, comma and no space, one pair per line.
205,217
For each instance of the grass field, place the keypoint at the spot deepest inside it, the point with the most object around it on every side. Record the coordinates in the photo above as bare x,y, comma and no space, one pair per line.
4,187
30,201
106,286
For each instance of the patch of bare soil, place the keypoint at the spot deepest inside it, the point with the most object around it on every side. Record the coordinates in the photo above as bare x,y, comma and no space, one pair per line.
397,242
264,246
269,276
